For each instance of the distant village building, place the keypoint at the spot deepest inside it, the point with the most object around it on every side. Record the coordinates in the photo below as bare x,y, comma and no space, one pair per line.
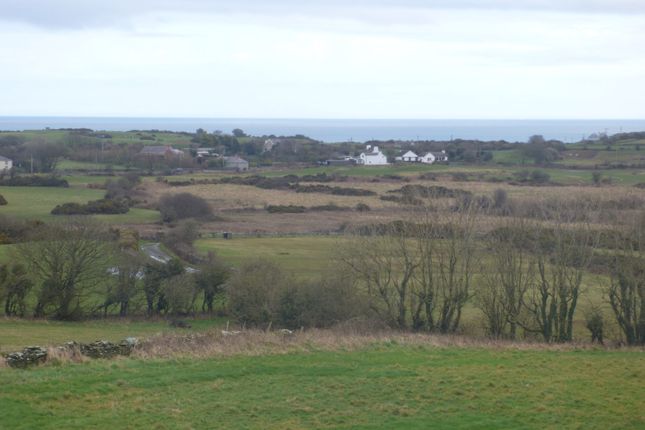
236,163
5,164
408,157
428,158
153,151
373,157
269,144
345,161
206,152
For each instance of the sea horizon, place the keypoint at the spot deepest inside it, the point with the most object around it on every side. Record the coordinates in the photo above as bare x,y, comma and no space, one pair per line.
331,130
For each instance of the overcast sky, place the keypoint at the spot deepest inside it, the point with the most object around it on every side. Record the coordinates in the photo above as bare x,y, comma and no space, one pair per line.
323,58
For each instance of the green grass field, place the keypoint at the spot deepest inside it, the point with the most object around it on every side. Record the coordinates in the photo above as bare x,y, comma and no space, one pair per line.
301,255
383,386
37,203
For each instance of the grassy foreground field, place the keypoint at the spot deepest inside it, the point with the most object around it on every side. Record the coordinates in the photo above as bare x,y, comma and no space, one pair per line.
385,385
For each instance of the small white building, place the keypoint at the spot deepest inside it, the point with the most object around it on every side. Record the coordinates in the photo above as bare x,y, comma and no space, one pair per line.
5,164
408,157
206,152
373,157
236,163
432,157
269,144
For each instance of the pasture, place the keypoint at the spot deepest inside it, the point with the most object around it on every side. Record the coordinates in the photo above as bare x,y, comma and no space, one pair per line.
37,202
383,385
304,256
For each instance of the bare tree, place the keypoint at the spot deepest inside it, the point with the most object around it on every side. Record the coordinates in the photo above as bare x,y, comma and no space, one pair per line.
562,248
69,258
14,287
509,276
127,273
211,279
417,274
626,292
384,260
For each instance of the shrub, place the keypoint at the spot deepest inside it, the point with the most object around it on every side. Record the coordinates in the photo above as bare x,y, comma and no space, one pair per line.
253,292
362,207
262,293
102,206
500,198
34,181
3,201
540,177
280,209
329,207
183,205
180,294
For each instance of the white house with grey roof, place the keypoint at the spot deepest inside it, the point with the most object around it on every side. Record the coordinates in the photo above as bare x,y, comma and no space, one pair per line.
408,157
373,157
5,164
434,157
236,163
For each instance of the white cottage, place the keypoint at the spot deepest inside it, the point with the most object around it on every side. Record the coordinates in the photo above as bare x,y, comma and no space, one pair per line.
431,157
408,157
5,164
373,157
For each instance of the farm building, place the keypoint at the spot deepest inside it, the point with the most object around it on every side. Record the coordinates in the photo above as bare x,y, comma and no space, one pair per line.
373,157
236,163
161,152
206,152
5,164
408,157
434,157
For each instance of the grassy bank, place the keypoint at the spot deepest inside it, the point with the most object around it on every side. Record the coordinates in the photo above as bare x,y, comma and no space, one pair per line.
383,385
15,334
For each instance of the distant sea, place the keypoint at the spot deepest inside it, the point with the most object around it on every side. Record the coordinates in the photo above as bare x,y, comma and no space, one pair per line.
340,130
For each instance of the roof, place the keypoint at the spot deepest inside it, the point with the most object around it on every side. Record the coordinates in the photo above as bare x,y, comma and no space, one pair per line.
409,154
235,159
4,158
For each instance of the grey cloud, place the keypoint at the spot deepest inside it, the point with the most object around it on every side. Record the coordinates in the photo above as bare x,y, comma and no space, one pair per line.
108,13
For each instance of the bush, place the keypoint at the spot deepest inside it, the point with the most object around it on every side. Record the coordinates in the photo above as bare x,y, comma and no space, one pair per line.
281,209
500,198
254,291
362,207
3,201
34,181
180,294
174,207
262,293
102,206
330,207
540,177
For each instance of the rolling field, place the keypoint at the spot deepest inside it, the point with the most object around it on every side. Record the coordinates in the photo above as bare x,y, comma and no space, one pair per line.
302,255
37,203
386,385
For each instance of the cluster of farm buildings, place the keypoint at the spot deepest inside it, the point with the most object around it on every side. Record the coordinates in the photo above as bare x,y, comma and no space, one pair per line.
374,157
371,157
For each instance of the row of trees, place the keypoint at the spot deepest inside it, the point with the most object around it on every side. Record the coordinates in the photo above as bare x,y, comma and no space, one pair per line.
527,276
